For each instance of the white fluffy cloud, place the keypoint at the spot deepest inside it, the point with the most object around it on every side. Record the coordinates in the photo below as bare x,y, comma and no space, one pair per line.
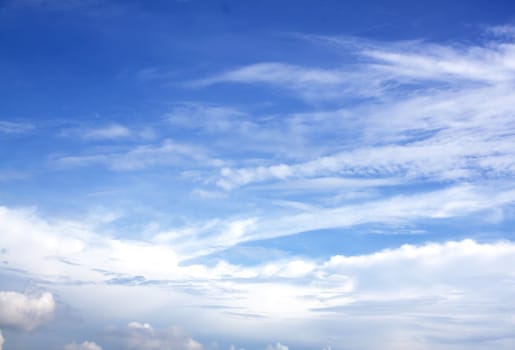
25,312
142,336
1,341
83,346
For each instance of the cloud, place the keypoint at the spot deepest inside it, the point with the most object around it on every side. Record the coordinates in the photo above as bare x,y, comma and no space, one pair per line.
83,346
489,63
276,346
113,131
383,67
458,201
404,285
210,118
277,73
25,312
15,128
143,336
309,82
1,340
26,233
110,132
434,141
168,153
428,115
391,289
233,347
503,31
224,126
438,136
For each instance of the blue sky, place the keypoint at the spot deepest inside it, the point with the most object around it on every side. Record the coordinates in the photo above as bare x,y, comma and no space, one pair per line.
265,175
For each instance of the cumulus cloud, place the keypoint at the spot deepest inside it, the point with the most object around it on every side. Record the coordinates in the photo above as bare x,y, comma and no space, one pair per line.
83,346
276,346
142,336
1,341
25,312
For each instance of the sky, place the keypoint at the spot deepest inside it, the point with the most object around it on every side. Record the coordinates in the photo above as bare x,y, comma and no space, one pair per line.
257,175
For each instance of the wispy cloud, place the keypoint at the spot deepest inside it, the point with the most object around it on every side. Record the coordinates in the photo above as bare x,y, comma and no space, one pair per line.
168,153
451,202
310,83
209,118
25,231
276,73
112,131
223,126
458,131
7,127
380,68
